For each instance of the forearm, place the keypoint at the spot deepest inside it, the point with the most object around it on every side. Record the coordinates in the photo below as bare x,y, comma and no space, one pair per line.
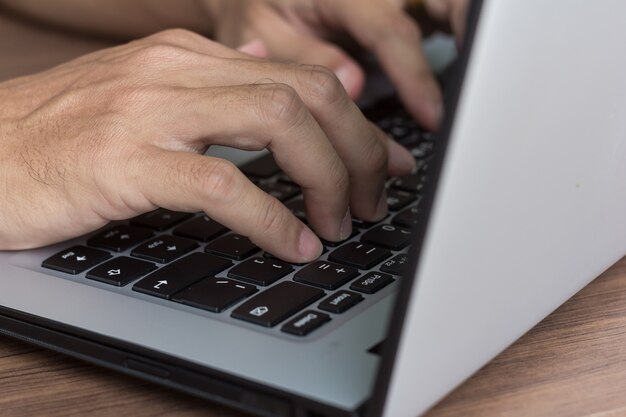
123,19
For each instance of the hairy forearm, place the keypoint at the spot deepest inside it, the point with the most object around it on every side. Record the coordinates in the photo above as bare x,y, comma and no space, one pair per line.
123,19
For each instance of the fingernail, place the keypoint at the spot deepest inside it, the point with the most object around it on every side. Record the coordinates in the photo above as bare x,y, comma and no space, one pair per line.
345,229
255,48
403,158
348,76
407,161
309,245
381,208
437,110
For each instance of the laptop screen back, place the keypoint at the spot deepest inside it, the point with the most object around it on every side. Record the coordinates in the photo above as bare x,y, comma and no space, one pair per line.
530,203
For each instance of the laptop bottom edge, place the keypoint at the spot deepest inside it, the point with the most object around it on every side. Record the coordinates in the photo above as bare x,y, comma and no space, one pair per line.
164,370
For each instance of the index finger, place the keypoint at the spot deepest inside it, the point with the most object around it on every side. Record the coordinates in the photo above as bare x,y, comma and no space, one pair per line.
396,41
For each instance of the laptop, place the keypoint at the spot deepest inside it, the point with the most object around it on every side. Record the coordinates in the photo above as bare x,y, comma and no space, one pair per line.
517,204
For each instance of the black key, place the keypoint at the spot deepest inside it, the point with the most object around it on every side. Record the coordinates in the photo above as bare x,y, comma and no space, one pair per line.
387,236
400,131
214,294
362,224
297,208
410,139
429,136
275,304
398,199
305,323
164,249
76,259
325,274
160,219
282,192
121,271
398,265
422,150
260,271
201,228
286,179
360,255
371,282
407,218
233,246
120,238
263,167
270,256
181,274
331,244
413,183
340,301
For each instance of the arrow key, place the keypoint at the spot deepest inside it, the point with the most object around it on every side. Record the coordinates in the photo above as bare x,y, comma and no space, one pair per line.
164,249
119,238
75,259
121,271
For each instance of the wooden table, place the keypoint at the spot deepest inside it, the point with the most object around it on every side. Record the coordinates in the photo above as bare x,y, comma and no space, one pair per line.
571,364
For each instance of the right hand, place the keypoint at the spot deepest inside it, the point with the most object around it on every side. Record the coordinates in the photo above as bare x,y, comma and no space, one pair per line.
121,131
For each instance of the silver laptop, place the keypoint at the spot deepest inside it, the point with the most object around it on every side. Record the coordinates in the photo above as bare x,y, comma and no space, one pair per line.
518,203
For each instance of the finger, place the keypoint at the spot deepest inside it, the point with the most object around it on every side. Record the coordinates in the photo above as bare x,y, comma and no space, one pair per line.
396,40
458,18
286,43
189,182
352,136
268,116
453,11
362,152
401,161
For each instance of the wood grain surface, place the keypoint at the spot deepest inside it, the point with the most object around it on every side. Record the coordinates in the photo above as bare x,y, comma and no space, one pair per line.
571,364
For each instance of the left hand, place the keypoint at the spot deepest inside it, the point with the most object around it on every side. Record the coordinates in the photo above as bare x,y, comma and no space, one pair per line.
299,30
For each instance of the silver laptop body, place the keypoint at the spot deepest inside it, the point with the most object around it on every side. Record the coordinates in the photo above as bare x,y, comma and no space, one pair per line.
529,207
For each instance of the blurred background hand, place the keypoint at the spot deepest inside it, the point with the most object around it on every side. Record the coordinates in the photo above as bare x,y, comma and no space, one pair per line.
311,32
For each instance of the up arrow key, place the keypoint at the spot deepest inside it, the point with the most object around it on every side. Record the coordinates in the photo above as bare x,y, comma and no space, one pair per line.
81,258
159,284
171,248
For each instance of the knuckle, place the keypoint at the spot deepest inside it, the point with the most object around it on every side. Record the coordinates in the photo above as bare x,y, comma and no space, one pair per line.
218,179
375,156
156,54
175,35
340,178
281,104
398,26
406,28
322,84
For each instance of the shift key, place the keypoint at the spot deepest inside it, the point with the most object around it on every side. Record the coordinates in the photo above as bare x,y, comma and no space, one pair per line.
277,303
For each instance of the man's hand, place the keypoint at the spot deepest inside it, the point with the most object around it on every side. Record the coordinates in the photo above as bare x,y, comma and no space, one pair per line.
121,131
300,31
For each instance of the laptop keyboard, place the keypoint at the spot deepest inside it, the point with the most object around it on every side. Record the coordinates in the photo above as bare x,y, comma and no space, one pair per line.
192,260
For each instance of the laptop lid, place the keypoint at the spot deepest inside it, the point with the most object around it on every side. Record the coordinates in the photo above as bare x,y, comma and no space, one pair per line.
530,203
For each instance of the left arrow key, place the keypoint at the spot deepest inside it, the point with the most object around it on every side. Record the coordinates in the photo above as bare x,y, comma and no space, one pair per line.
76,259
